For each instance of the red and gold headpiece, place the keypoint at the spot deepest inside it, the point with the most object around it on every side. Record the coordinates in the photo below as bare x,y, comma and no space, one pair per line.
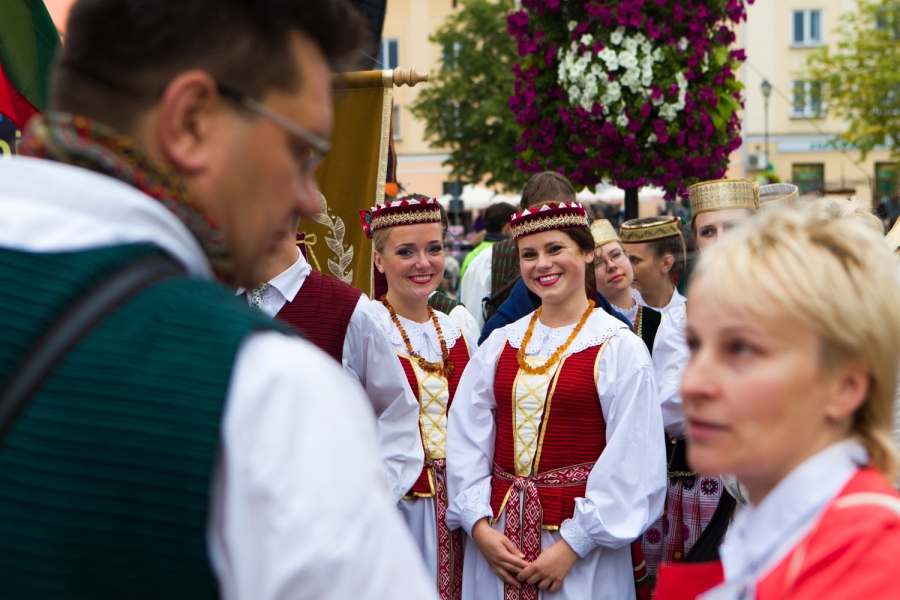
399,212
550,216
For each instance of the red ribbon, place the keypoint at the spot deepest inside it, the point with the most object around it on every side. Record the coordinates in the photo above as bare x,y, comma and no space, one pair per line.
525,532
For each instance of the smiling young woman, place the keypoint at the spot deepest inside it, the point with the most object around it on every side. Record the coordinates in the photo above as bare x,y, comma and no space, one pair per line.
409,250
546,486
790,387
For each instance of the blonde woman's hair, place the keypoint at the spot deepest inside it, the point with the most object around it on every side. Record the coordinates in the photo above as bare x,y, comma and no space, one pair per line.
835,275
832,207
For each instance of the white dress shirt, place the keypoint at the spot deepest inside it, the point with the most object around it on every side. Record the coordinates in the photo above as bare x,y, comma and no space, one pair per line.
762,535
670,356
626,487
476,285
367,356
298,508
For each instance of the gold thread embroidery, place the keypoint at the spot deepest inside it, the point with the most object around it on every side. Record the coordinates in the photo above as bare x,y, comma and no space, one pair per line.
652,231
406,218
541,224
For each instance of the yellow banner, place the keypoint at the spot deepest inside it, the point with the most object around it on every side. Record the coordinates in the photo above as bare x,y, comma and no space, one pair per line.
352,177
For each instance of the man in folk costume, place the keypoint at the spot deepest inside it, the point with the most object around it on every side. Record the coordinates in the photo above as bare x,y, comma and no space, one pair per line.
553,487
698,509
656,250
433,350
339,319
181,446
492,274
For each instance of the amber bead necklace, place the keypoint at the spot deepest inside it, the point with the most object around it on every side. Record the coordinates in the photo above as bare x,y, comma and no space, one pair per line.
554,358
446,365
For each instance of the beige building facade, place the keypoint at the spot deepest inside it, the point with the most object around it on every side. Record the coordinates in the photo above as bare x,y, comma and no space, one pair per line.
778,37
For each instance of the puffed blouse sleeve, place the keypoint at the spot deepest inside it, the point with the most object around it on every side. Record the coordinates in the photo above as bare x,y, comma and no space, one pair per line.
626,487
470,438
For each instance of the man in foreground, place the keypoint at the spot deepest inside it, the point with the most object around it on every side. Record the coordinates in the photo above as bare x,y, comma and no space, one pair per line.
184,448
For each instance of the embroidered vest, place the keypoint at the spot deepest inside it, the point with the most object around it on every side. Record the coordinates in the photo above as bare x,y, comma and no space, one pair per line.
646,325
322,311
435,394
106,476
545,423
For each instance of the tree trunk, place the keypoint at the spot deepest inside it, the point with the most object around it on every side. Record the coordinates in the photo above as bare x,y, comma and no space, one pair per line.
631,203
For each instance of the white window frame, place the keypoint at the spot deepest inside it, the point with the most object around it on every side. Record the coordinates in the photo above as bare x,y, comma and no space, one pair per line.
384,54
396,131
808,111
807,41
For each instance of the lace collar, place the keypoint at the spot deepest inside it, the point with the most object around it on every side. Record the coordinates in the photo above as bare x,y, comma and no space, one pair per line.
545,340
422,336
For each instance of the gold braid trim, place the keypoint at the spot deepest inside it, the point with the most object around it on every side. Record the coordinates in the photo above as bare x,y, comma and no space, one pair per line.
649,232
546,223
723,194
409,217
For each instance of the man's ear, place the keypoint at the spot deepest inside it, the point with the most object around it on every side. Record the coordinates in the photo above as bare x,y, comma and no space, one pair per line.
186,121
668,261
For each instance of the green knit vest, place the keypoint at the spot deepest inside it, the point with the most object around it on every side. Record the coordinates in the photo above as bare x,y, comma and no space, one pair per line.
105,479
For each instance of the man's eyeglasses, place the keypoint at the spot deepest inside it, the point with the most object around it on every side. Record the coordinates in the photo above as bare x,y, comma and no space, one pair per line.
318,147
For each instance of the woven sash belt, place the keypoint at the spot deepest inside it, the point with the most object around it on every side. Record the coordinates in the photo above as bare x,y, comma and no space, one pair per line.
526,533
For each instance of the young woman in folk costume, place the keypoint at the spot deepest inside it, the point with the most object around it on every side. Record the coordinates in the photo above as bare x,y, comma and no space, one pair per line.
692,500
431,347
790,387
556,462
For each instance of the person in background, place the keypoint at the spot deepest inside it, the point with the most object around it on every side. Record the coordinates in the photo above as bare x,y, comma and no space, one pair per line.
340,320
795,345
496,225
186,447
494,272
438,300
553,487
698,508
433,352
656,251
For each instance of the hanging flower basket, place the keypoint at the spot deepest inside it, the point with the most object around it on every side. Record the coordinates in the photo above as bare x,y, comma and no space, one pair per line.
638,92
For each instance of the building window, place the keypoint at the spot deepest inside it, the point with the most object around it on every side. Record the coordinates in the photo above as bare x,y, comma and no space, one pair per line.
808,177
395,124
389,54
807,28
450,55
887,178
807,100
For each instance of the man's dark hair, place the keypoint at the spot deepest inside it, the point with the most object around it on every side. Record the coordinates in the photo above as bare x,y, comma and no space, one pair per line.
497,216
119,55
546,187
668,245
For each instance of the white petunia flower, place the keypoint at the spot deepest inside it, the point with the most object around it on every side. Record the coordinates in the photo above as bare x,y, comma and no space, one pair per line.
615,38
573,25
682,44
628,60
652,139
622,121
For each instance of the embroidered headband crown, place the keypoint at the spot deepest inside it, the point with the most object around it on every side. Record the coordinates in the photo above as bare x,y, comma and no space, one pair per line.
723,194
635,233
550,216
603,232
778,194
399,212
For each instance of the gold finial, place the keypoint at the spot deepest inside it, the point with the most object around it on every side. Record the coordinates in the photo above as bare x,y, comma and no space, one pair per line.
408,77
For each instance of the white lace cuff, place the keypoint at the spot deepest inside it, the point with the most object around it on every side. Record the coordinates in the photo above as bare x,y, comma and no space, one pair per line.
469,516
577,537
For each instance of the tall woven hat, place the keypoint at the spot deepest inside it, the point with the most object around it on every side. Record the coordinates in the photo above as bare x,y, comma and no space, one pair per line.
778,195
633,232
550,216
603,232
399,212
723,194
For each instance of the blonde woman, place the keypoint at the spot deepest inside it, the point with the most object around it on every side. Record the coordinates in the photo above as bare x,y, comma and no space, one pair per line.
409,250
790,387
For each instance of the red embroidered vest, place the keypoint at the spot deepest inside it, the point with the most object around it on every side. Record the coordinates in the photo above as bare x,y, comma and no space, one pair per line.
573,431
459,354
321,311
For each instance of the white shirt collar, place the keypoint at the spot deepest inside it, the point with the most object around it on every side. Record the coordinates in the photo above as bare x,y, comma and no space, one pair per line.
47,206
761,536
290,280
676,301
631,313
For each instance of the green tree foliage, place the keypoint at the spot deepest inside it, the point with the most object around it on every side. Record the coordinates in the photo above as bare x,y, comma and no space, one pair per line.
465,107
860,77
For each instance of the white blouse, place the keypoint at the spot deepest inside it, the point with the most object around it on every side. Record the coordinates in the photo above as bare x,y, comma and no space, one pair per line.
626,488
670,356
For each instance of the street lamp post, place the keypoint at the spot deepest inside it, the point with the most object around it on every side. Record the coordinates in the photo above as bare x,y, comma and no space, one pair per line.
766,91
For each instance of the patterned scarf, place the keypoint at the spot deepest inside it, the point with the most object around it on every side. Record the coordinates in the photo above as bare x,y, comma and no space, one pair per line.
81,142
